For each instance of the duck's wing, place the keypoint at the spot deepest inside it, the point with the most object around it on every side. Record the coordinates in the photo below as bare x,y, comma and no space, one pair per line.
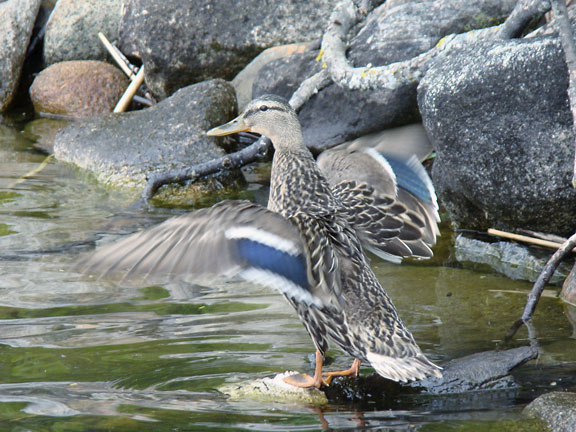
417,193
232,238
386,218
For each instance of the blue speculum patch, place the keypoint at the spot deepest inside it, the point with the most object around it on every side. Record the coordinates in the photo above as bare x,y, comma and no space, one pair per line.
408,179
276,261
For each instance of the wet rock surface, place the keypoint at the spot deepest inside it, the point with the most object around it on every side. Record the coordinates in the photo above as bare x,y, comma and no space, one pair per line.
182,41
487,370
122,149
72,31
78,88
556,409
336,115
16,27
498,116
518,262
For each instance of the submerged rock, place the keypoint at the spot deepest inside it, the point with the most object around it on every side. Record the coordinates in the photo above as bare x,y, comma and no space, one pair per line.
274,390
72,31
78,88
122,149
556,409
488,370
392,32
16,27
515,261
498,116
481,371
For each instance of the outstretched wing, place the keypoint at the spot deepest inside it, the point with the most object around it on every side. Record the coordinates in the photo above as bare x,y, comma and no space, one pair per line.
232,238
389,220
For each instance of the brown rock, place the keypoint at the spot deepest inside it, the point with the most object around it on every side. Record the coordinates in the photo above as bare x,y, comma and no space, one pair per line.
78,88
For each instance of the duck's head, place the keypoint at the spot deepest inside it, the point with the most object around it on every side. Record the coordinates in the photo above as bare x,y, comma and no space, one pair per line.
268,115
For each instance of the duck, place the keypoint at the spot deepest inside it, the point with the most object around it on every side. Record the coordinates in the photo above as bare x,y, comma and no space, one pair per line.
307,243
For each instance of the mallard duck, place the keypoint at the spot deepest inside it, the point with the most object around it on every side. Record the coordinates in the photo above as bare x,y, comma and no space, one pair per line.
306,244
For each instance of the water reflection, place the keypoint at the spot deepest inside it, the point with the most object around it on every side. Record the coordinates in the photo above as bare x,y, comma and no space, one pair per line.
75,351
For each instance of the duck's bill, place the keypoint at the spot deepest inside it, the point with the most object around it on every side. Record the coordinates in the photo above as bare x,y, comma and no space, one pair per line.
233,126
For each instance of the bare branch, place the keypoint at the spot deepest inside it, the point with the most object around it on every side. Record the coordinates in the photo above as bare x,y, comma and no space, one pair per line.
524,12
252,153
399,74
545,276
309,87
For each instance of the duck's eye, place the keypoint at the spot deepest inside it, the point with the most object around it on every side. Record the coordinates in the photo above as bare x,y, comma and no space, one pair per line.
263,107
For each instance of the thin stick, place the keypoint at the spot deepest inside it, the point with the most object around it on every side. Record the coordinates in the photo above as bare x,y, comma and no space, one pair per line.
130,92
113,51
525,239
35,171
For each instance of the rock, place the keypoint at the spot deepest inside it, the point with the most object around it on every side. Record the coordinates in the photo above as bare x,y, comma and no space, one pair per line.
274,390
16,28
186,41
78,88
556,409
72,30
568,293
498,116
336,115
513,260
122,149
487,370
42,132
243,82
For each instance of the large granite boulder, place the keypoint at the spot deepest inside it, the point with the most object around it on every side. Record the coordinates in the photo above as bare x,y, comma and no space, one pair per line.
72,30
393,32
498,116
122,149
16,27
78,88
186,41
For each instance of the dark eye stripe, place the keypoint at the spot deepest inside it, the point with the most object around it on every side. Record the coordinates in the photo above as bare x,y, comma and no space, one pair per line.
257,109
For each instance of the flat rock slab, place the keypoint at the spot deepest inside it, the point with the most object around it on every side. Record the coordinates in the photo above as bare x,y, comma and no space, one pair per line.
556,409
274,390
122,149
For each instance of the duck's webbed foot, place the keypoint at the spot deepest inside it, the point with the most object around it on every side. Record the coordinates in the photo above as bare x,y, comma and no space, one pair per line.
354,370
305,380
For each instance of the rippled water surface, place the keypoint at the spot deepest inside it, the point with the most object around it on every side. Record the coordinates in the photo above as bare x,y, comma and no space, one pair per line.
84,354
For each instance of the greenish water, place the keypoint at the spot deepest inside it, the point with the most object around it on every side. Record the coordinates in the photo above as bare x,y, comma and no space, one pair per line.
82,354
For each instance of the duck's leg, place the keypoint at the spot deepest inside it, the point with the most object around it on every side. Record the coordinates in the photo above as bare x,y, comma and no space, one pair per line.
354,370
305,380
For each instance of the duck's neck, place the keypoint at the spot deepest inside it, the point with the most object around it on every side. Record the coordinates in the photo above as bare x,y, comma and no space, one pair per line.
297,185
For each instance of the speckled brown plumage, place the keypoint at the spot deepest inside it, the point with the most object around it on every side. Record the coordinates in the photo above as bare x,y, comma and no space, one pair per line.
308,244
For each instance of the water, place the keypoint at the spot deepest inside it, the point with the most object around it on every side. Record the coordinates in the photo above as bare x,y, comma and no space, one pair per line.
82,354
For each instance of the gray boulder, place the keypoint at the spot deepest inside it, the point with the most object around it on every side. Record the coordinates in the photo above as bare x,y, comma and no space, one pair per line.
498,116
186,41
122,149
556,409
72,30
393,32
16,27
